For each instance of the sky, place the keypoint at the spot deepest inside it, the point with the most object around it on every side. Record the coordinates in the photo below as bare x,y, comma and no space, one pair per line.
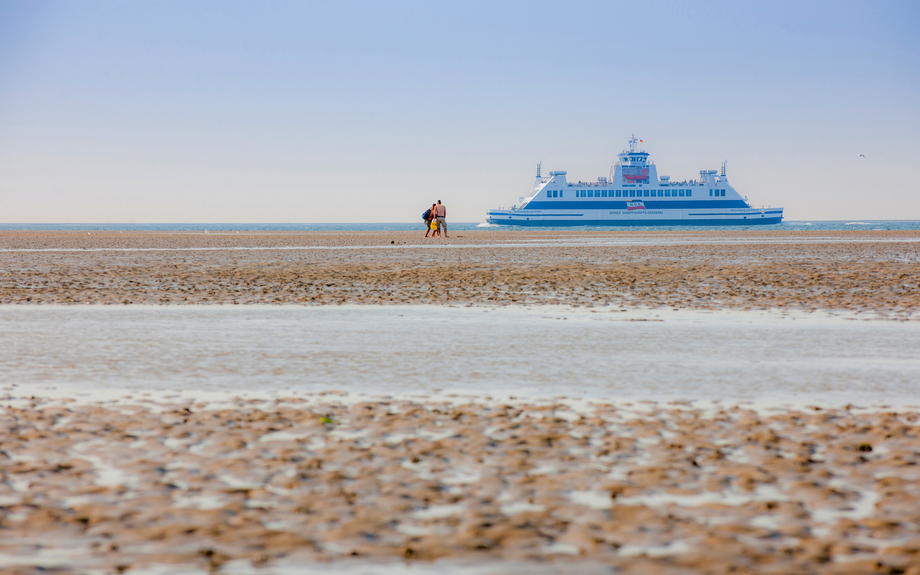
280,112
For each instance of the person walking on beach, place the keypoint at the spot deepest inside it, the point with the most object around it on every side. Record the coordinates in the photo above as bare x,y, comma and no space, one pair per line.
441,212
428,216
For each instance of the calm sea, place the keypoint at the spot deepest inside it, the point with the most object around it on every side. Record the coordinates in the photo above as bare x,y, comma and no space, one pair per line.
355,227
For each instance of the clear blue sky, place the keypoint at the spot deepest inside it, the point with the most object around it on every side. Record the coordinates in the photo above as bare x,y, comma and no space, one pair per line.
195,111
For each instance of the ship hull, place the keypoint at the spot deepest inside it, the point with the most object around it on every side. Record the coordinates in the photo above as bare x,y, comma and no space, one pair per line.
644,223
638,218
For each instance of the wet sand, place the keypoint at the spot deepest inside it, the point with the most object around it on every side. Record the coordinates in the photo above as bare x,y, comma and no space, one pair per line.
519,485
862,271
642,487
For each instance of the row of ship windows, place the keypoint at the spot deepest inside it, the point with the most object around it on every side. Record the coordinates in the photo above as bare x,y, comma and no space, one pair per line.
630,193
623,194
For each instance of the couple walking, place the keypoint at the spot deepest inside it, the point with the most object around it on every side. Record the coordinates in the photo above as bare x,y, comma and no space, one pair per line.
435,219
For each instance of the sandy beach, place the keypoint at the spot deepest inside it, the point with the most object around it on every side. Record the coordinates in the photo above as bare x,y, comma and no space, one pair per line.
862,271
154,482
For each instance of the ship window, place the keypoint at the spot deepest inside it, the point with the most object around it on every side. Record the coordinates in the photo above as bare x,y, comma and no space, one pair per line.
689,192
723,192
680,193
667,193
560,193
646,193
710,192
603,193
555,194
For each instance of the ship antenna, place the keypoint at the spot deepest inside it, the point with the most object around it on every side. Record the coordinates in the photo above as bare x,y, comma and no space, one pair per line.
539,165
723,168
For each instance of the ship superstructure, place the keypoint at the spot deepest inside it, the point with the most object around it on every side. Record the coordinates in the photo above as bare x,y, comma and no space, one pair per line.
634,195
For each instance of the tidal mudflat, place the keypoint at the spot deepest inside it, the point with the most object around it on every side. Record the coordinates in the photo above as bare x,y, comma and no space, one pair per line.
864,271
610,402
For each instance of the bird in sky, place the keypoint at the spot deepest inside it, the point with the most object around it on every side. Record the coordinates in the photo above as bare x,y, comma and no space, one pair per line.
862,156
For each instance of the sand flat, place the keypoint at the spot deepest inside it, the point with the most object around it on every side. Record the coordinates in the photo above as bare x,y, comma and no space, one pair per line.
852,270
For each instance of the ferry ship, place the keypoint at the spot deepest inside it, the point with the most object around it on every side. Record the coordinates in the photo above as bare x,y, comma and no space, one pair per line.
634,195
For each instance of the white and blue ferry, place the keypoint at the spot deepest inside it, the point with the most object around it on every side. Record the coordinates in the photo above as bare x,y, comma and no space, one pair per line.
634,195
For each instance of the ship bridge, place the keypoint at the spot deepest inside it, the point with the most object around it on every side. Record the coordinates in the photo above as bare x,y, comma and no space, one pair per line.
633,167
634,156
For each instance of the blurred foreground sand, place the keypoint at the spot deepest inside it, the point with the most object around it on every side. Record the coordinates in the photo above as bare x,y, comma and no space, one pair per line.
645,488
875,271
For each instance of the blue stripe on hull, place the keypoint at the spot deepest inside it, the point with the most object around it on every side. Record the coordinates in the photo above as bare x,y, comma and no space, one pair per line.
720,214
637,223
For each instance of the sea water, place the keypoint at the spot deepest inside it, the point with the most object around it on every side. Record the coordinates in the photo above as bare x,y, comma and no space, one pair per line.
538,352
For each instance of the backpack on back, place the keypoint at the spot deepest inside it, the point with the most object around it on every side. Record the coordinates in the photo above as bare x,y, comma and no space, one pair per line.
426,215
